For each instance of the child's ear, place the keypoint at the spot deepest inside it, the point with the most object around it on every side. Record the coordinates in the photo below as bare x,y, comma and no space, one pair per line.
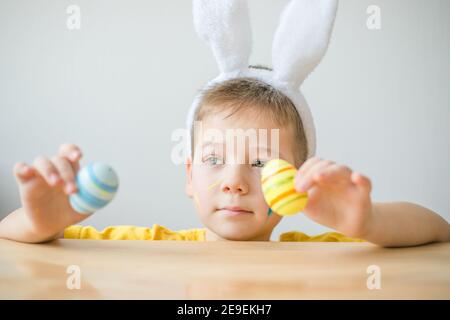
188,188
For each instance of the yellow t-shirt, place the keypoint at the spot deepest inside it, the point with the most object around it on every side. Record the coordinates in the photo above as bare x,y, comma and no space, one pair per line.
157,232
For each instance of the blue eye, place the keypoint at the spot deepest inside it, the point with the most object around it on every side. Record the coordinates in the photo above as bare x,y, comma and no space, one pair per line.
258,163
213,160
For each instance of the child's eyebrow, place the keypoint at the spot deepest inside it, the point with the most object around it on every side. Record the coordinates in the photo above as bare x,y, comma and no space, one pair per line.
205,147
269,152
268,149
208,143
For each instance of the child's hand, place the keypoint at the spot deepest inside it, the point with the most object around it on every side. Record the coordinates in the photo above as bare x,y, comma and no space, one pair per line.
45,188
337,197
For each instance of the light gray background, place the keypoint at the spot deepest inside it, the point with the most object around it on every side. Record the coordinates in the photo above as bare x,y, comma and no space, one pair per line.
119,87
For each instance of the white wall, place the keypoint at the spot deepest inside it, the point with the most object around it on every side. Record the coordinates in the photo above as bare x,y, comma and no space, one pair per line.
119,87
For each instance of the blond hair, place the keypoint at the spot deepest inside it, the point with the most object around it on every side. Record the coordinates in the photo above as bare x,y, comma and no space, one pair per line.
250,94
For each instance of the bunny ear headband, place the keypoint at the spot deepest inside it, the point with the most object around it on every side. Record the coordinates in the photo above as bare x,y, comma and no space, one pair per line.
299,44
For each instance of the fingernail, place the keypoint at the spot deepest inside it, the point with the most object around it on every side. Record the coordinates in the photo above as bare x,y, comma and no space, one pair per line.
23,170
53,178
75,155
70,187
302,187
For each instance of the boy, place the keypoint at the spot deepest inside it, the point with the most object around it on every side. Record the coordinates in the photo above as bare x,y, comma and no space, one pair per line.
228,196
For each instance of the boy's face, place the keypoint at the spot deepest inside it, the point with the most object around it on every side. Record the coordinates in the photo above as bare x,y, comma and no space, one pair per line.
225,180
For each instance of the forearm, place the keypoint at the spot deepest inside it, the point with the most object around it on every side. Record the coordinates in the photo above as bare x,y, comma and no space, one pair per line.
397,224
18,227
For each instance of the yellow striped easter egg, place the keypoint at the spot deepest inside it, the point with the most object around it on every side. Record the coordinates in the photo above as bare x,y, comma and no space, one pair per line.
277,179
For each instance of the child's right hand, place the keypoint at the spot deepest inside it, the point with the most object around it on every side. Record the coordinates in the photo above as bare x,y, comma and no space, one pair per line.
45,188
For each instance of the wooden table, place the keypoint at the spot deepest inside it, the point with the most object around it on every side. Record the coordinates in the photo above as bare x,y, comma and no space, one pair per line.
220,270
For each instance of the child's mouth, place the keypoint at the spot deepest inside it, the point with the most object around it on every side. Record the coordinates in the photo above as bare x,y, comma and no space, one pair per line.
234,211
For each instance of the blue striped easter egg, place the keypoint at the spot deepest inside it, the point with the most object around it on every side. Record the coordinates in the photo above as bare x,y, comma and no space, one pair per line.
97,184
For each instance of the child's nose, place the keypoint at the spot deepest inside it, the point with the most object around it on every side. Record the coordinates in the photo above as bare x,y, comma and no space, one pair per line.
235,188
235,183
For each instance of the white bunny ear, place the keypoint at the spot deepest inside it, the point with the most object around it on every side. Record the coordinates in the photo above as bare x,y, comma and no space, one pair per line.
225,26
301,39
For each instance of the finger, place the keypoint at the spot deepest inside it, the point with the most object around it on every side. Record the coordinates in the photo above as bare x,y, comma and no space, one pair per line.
362,181
304,168
303,183
73,153
335,172
308,164
66,172
23,172
47,170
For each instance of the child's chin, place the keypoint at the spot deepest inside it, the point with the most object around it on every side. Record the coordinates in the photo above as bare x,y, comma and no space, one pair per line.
235,234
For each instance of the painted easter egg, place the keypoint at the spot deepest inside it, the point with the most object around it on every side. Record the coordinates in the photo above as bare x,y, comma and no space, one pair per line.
277,179
97,184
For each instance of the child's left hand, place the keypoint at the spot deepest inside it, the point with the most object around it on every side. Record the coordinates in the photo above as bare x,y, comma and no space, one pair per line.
338,197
